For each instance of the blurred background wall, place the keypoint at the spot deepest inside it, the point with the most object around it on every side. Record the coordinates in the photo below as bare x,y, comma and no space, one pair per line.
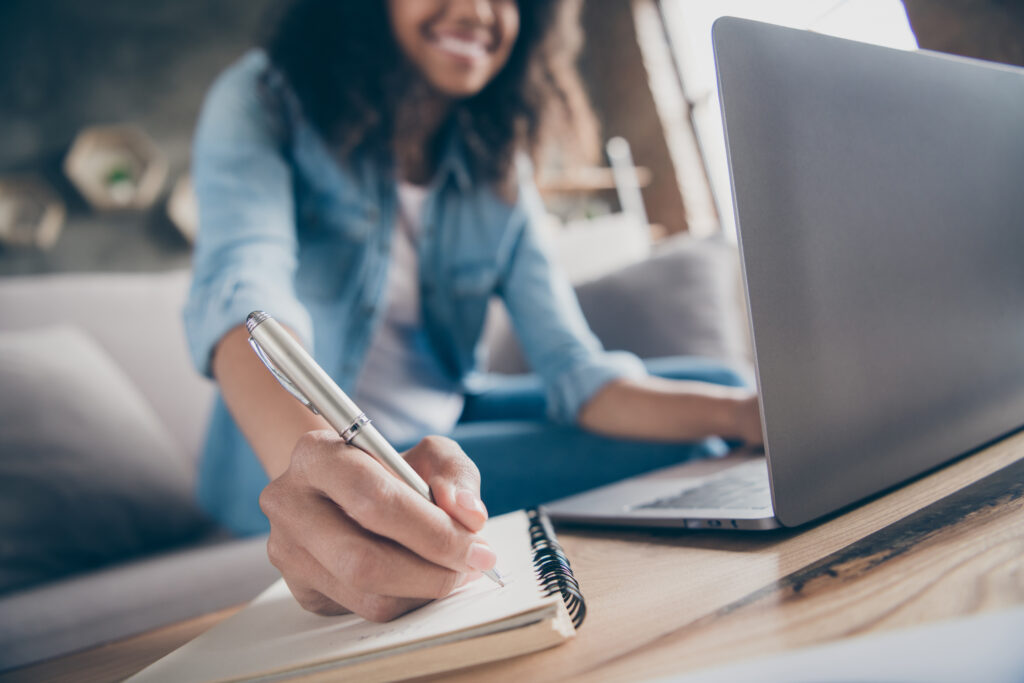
67,65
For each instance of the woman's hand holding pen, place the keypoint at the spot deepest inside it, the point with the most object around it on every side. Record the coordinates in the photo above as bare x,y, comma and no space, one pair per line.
347,534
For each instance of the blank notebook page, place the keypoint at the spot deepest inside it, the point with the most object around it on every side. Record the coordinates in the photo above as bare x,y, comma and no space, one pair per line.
274,633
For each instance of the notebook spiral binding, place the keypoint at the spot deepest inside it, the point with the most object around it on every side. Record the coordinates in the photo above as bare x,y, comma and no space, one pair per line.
552,566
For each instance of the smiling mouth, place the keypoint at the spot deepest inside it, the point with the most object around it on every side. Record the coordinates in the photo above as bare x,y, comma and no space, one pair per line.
461,48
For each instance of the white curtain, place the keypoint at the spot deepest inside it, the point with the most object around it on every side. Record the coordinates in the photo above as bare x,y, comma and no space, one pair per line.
688,23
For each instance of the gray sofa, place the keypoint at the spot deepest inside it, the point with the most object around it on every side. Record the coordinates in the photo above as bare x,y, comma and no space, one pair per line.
132,551
102,419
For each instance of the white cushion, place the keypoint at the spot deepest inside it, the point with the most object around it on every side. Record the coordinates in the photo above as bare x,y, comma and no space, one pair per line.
136,318
88,475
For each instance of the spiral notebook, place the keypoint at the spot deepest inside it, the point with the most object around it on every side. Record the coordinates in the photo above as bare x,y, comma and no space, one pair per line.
273,638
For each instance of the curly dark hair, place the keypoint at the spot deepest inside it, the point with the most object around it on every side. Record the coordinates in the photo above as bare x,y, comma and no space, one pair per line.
340,58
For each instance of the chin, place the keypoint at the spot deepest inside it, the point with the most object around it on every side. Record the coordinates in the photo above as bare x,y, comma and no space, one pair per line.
460,93
458,88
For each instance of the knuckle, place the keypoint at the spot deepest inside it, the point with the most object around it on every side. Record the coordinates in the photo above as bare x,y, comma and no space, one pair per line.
275,551
380,608
326,607
309,453
372,492
307,600
452,462
359,506
309,603
387,495
317,603
446,584
468,471
306,444
270,499
360,567
302,455
437,443
453,547
441,449
430,449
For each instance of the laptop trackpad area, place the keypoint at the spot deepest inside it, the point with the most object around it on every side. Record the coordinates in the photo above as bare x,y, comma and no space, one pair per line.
744,487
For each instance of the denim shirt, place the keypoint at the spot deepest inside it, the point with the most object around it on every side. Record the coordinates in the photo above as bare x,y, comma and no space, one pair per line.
289,228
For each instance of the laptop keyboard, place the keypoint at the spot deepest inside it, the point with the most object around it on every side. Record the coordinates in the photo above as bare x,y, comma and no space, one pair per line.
741,488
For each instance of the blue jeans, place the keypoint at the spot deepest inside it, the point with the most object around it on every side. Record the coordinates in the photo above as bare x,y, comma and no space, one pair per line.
525,460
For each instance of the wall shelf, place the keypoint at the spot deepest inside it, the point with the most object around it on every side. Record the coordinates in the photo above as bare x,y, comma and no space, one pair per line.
116,167
31,213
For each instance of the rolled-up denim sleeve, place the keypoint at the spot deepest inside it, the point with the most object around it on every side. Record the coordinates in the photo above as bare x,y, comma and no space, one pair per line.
246,250
546,315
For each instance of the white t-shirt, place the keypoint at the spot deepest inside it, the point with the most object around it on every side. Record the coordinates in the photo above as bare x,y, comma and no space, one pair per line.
402,387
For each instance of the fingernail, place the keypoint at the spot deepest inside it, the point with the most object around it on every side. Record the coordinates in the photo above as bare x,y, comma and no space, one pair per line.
469,501
480,557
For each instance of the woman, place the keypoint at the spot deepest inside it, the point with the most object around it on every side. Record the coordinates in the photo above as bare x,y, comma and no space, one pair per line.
357,179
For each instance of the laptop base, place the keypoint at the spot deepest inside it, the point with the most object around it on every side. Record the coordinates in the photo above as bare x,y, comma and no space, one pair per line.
635,502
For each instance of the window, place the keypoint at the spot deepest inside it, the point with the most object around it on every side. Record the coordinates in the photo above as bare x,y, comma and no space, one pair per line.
688,25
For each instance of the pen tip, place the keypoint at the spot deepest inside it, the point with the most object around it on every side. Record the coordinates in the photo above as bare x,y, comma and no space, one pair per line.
494,576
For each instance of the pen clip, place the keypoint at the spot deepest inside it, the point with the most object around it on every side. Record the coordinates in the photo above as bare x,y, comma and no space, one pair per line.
281,379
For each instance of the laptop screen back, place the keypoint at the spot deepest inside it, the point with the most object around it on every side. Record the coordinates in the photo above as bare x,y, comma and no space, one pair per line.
880,206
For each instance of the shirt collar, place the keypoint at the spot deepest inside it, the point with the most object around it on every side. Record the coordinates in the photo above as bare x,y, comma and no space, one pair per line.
453,161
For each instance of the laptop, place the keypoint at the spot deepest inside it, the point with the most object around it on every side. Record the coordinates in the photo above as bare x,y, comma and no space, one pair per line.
879,198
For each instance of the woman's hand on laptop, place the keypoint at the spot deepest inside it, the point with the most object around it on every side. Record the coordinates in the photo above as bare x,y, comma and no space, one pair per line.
348,535
748,421
660,409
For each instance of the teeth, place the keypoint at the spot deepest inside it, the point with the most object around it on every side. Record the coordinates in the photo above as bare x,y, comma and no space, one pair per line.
460,47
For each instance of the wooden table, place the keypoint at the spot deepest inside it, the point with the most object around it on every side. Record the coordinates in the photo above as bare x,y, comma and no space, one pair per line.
949,544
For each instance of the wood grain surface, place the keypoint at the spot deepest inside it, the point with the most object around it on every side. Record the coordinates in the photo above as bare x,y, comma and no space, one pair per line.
959,556
948,544
649,595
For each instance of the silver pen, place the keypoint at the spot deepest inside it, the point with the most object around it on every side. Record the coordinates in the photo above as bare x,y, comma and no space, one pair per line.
304,379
